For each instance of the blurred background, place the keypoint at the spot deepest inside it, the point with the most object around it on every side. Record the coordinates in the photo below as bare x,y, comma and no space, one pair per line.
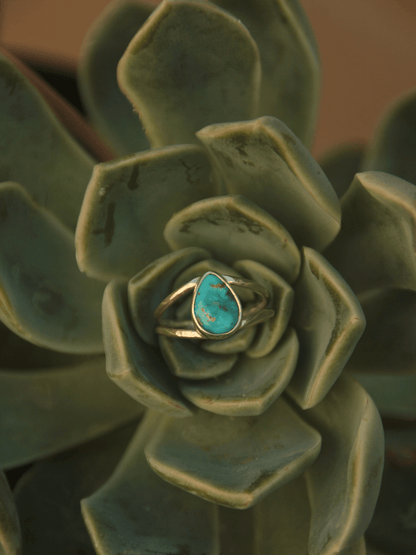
367,47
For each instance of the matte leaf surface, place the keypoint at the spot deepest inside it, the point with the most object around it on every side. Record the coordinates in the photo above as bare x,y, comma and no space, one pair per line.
290,75
129,201
137,512
131,363
105,43
36,150
48,495
344,481
253,384
10,535
266,162
329,321
179,86
43,295
233,228
233,461
341,164
43,412
376,245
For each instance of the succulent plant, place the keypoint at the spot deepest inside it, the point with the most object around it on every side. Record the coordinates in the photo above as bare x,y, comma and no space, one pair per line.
216,181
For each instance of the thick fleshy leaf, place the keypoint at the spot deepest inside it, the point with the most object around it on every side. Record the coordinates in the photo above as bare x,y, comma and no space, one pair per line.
147,289
281,294
137,512
43,295
37,151
236,531
394,396
132,364
290,76
329,321
392,150
190,65
253,384
233,461
49,494
105,43
43,412
234,228
376,245
237,343
188,360
10,535
266,162
128,203
341,164
388,345
344,481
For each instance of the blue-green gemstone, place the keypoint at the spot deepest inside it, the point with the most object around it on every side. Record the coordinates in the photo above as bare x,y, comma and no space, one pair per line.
216,309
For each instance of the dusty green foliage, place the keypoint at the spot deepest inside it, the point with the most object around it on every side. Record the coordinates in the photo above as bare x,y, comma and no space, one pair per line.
264,421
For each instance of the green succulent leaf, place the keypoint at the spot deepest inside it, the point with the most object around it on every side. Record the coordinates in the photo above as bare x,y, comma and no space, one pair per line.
393,148
134,365
237,343
233,461
376,245
49,494
250,231
252,385
345,479
290,76
266,162
136,511
329,321
42,293
282,296
103,46
36,150
341,164
129,201
10,534
179,86
46,411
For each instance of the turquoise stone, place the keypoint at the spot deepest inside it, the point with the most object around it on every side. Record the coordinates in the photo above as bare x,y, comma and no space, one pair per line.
216,309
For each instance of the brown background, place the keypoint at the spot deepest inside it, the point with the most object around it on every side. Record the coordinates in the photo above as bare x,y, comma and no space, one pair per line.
368,53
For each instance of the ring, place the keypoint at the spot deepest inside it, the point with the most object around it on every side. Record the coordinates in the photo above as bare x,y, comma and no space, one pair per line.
216,309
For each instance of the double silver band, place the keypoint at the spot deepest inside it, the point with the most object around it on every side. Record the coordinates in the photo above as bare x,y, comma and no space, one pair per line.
192,330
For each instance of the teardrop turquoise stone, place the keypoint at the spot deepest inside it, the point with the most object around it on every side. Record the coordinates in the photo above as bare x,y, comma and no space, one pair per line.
215,307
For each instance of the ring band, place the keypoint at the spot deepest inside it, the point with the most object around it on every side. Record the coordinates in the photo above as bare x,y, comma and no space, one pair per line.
216,309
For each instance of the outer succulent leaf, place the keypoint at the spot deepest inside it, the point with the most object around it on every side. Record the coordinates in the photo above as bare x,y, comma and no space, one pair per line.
10,535
179,86
341,164
103,46
234,228
388,344
289,59
131,363
281,521
46,411
42,293
48,495
233,461
147,289
266,162
345,479
394,396
252,386
128,203
282,296
329,321
236,531
187,360
137,512
37,151
376,245
392,150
